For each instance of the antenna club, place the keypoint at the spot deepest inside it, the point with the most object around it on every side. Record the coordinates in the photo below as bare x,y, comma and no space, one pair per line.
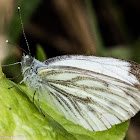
18,8
6,41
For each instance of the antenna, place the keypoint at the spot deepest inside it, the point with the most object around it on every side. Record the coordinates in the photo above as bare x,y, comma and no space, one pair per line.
23,31
7,41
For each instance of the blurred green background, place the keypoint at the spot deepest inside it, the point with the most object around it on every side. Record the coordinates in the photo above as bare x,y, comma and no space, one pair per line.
91,27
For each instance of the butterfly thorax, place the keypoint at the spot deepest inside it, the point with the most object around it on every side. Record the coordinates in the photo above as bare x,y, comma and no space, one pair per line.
30,66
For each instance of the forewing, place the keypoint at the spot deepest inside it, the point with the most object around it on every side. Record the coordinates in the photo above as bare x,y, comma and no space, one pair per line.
123,70
92,99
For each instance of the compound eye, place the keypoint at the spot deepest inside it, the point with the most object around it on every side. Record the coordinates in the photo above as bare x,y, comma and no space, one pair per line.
29,60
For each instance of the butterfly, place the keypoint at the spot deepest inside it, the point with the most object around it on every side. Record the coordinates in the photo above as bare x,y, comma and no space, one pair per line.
93,92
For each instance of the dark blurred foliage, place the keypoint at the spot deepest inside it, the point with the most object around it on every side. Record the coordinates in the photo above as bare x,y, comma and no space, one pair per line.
90,27
66,27
118,21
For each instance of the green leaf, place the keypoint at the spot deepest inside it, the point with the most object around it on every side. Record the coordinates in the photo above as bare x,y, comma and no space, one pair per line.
40,55
20,116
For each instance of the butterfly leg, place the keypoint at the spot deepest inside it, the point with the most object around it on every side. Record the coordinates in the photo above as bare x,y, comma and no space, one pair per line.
39,104
17,84
34,96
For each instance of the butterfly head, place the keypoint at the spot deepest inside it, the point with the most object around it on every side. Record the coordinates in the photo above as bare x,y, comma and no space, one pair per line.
30,65
27,62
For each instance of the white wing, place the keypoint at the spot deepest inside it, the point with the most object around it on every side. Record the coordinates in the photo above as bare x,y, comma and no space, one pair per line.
93,92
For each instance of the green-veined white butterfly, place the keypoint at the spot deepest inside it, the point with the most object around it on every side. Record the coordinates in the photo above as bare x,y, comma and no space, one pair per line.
94,92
